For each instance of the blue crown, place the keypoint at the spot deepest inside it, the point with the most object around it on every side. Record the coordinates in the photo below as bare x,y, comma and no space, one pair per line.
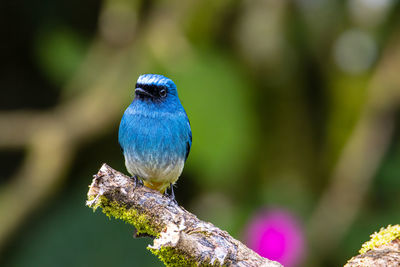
156,79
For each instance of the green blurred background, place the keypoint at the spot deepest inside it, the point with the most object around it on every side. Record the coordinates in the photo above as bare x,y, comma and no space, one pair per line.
293,104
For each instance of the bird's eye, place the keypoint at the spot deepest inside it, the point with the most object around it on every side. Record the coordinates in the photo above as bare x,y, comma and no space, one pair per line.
163,93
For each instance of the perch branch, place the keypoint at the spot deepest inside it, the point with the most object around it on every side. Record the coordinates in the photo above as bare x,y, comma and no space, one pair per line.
388,255
382,250
181,239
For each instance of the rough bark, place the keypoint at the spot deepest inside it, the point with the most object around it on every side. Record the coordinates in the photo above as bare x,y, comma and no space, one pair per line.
387,255
181,238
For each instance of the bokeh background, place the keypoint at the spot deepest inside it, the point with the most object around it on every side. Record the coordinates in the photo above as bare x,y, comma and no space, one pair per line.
294,106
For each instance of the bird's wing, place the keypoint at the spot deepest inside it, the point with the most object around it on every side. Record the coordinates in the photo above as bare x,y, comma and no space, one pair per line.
121,131
189,141
120,146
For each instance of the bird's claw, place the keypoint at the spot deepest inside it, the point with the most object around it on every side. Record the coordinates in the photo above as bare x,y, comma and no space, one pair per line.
138,182
172,200
171,196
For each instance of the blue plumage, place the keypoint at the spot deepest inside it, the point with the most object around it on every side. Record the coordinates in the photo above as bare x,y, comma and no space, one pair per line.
155,133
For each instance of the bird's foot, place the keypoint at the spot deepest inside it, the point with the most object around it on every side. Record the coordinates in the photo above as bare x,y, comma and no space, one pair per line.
138,182
171,196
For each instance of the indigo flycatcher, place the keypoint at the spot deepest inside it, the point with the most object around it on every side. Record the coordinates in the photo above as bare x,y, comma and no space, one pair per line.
155,134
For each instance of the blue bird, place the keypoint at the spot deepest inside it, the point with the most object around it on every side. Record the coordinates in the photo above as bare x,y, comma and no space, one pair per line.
154,133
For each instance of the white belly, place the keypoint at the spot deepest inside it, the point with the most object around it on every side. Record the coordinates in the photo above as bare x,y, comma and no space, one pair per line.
153,171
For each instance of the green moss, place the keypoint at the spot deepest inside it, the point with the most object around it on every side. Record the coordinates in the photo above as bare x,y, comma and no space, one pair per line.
131,216
172,257
90,198
169,256
384,236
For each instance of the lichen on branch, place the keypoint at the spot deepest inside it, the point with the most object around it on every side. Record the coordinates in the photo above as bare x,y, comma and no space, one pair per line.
181,239
383,249
383,237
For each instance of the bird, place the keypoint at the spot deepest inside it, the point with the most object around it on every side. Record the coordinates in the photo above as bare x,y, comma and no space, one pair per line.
155,134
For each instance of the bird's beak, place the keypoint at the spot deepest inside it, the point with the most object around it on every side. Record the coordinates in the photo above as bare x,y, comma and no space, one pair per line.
140,91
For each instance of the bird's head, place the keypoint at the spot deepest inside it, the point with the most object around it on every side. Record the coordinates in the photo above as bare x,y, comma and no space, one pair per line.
154,87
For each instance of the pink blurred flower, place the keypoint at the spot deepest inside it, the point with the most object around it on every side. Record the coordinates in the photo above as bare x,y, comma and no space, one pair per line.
277,235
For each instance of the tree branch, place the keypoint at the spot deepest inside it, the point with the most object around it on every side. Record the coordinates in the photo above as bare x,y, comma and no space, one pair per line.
383,249
181,238
384,256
